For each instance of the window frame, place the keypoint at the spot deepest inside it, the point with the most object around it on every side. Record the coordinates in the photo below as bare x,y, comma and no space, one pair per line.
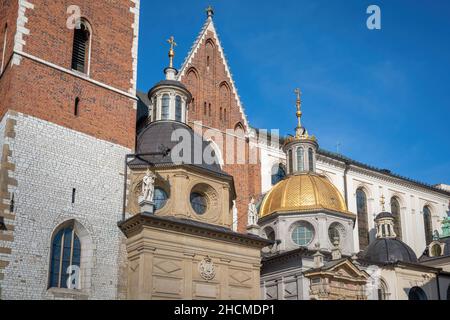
88,52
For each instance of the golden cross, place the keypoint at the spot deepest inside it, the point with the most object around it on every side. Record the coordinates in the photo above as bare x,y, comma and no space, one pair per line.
299,104
172,43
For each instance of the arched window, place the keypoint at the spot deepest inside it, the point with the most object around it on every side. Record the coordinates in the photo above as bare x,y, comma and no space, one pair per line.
209,109
81,48
416,293
311,159
395,210
66,252
193,104
178,109
363,225
383,291
291,164
165,107
278,173
5,38
300,159
428,225
205,109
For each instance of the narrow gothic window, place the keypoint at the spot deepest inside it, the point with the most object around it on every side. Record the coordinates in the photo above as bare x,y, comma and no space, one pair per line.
80,51
427,224
209,109
363,225
193,104
300,160
178,109
311,159
5,38
76,107
395,210
11,204
225,116
221,110
204,109
74,192
66,252
165,107
291,165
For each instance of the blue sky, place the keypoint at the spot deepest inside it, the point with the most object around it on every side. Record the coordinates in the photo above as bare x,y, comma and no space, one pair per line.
383,95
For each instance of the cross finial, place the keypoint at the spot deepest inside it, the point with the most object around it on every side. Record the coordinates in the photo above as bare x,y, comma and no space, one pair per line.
173,44
383,203
210,12
299,107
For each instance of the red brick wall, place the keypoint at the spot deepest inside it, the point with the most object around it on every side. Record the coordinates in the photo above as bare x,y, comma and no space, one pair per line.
43,92
212,85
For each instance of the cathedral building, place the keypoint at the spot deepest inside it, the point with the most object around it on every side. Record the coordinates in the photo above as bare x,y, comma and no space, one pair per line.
98,200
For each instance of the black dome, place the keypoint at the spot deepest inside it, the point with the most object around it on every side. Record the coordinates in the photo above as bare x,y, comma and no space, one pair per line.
388,251
384,215
157,137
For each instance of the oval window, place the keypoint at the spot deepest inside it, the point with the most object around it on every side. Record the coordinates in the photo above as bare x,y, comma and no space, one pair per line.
199,203
160,198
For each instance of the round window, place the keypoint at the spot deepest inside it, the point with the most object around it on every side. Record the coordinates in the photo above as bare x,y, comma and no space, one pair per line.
199,203
303,234
334,234
160,198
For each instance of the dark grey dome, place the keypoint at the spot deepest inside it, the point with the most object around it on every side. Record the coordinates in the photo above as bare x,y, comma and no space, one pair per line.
388,251
170,83
384,215
157,137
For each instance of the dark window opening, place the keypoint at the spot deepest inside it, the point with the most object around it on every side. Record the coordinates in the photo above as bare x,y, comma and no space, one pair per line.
80,53
209,109
12,204
74,192
363,224
76,108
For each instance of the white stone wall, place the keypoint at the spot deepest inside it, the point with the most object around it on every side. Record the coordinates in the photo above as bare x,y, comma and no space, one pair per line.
412,198
50,161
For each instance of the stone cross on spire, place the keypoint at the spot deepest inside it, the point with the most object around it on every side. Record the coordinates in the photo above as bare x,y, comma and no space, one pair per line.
209,12
173,44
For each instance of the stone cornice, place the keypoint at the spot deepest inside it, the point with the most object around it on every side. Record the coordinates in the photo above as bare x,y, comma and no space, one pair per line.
137,223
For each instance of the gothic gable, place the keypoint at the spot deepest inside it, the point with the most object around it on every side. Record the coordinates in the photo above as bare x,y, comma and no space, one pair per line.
207,75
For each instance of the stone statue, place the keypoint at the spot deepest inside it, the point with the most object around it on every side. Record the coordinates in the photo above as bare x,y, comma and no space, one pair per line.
148,186
252,213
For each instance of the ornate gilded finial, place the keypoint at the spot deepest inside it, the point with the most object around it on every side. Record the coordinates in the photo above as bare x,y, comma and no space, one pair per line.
299,131
383,203
173,44
210,12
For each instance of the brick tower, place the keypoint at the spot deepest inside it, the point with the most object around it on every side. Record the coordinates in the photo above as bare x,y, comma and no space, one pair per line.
68,115
218,106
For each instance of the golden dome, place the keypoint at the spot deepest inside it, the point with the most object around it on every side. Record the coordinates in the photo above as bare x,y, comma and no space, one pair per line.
303,192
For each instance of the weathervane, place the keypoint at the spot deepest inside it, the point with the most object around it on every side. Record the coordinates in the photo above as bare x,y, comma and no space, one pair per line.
173,44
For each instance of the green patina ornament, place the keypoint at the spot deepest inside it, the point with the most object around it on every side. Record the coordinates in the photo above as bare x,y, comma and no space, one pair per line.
445,228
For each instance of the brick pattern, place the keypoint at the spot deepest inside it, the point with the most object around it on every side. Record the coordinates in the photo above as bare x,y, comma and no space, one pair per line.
216,105
104,114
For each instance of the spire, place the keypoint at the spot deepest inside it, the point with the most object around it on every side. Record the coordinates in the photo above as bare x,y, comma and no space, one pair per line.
209,12
173,44
299,107
170,71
